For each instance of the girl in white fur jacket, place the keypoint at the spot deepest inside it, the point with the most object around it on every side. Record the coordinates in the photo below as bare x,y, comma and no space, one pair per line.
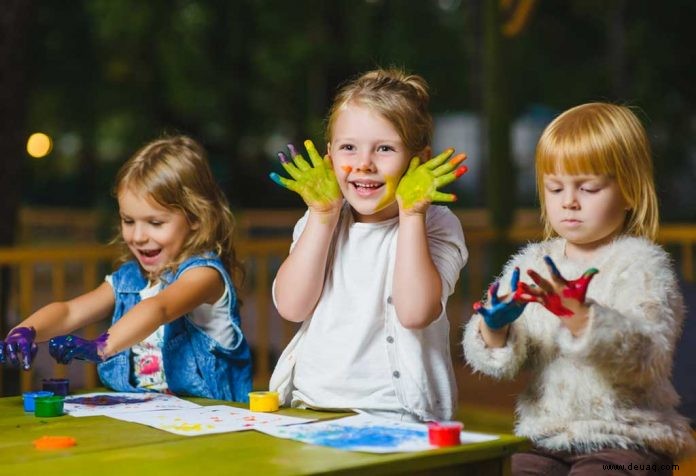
600,355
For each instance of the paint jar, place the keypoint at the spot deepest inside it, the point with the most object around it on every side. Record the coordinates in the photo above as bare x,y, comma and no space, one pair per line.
28,398
264,401
59,386
49,406
445,433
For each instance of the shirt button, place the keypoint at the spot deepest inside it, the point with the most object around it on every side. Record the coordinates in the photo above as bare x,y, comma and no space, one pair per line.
389,300
396,374
390,339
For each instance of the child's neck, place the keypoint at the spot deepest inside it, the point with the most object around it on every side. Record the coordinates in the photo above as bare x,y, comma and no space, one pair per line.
584,253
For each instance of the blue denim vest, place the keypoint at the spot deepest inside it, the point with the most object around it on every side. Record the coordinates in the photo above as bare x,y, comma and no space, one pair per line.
194,363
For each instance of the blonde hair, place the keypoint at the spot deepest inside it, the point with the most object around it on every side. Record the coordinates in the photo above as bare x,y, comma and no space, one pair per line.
400,98
602,139
174,172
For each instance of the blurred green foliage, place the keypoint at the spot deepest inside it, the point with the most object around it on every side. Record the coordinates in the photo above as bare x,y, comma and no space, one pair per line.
245,76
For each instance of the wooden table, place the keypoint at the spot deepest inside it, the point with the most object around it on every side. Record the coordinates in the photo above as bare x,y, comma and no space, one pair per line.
106,446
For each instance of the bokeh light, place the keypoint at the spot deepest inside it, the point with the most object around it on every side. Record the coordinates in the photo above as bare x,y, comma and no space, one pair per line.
39,145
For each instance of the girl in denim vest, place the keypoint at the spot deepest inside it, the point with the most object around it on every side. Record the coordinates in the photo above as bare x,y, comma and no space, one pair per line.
174,310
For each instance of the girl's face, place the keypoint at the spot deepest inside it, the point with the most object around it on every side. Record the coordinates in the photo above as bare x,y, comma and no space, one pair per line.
587,210
154,234
369,159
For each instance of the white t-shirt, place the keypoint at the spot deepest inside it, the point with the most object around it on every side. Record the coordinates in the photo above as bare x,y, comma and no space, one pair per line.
344,362
213,319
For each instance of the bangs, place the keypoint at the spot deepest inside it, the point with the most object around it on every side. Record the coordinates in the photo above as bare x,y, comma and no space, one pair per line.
570,156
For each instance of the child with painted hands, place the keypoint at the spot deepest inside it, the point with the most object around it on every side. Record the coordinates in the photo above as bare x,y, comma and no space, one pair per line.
172,303
372,262
597,329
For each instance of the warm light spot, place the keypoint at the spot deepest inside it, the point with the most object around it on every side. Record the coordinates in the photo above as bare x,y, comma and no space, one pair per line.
39,145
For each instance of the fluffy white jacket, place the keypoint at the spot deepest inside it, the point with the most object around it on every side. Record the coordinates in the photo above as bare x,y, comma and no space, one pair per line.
611,386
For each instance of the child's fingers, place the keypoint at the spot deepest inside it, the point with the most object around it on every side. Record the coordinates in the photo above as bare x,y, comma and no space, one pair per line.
450,177
515,279
313,154
443,197
526,293
413,165
449,165
289,166
438,160
555,274
541,282
301,163
283,182
479,308
493,293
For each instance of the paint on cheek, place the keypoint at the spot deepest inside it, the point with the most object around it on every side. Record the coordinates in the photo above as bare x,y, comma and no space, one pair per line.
389,193
347,168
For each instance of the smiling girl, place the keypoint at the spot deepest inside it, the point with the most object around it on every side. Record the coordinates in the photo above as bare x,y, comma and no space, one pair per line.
372,263
173,304
600,356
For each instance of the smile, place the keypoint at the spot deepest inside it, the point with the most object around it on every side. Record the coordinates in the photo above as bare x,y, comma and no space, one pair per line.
366,189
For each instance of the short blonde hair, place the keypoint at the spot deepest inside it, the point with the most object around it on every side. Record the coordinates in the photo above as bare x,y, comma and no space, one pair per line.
401,98
602,139
175,173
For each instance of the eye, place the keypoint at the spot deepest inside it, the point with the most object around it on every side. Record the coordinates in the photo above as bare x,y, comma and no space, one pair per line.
348,147
385,148
156,223
126,221
553,189
590,188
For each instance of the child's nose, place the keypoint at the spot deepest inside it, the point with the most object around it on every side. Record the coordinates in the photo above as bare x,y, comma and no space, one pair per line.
365,162
570,200
139,235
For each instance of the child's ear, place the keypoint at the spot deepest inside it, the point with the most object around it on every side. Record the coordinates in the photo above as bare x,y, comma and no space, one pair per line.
195,225
426,154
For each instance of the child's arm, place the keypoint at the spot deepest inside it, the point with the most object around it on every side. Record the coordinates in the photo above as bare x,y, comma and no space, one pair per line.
417,285
300,279
194,287
58,318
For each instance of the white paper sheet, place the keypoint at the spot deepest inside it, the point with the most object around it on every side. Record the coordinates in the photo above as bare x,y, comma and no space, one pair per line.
367,433
207,420
109,403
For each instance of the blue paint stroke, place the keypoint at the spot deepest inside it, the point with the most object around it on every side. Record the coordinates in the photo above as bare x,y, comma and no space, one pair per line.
346,437
104,400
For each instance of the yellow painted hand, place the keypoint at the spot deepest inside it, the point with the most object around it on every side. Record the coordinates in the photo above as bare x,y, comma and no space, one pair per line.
419,186
315,183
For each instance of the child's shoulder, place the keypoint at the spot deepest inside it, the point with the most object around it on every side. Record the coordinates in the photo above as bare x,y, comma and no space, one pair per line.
637,251
442,215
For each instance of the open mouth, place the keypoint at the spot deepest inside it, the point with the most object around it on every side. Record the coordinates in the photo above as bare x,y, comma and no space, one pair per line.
149,254
366,188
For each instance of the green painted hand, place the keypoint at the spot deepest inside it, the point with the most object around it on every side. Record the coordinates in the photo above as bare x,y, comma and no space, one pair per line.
419,186
315,183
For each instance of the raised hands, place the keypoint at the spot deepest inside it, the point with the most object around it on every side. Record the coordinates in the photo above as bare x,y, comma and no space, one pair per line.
19,342
562,297
502,310
66,348
315,183
419,186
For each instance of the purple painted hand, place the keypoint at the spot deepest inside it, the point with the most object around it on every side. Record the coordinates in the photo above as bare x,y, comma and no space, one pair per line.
66,348
20,340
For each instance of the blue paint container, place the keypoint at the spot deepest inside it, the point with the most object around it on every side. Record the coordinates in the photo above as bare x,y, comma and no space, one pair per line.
30,398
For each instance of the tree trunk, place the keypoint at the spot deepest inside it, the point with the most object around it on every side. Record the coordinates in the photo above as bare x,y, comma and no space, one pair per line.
500,173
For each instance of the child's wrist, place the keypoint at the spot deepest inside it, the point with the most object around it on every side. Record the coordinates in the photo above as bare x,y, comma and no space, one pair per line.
325,217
